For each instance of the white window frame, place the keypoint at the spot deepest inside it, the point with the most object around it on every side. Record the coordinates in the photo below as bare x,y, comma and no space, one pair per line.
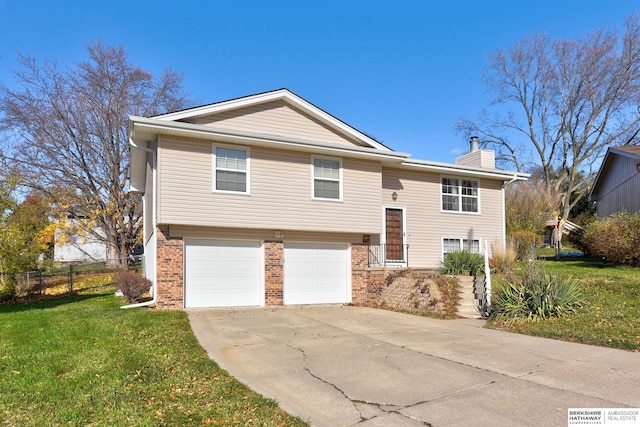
462,245
313,178
247,172
460,195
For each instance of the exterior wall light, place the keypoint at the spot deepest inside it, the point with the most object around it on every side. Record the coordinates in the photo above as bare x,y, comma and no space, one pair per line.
394,196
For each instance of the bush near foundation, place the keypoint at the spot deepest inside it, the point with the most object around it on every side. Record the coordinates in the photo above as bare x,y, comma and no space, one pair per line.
463,263
615,238
132,285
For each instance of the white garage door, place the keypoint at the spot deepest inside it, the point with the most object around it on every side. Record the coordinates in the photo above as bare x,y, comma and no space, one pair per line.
316,274
222,273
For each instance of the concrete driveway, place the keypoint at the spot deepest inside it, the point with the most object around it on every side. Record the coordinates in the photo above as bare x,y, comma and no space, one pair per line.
343,366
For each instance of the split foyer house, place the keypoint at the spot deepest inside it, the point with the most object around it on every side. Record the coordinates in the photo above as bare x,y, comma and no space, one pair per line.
269,200
617,185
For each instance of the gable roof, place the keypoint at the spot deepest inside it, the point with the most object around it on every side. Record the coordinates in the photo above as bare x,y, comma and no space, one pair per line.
142,130
630,151
284,95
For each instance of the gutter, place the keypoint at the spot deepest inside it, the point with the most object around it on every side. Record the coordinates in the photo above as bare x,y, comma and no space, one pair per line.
133,144
514,179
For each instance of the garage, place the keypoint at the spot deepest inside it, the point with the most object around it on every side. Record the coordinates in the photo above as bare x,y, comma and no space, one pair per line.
221,273
316,273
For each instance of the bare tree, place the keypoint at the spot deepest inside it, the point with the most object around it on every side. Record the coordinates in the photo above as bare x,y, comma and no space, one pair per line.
565,101
66,136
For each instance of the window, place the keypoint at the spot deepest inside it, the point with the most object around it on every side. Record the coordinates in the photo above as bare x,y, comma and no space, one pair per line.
231,169
459,195
327,178
457,245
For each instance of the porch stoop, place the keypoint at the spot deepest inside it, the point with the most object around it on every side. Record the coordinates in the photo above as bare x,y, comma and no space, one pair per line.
468,304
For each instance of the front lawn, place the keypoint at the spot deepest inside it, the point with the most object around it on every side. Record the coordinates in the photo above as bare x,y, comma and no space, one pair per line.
81,360
610,315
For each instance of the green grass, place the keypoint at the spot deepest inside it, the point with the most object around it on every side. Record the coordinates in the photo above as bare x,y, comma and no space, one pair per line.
82,361
610,314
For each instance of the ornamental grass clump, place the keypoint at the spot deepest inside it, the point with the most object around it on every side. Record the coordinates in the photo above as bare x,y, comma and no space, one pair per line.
463,263
539,296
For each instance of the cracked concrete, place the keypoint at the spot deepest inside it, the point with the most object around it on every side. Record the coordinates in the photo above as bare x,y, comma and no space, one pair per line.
347,366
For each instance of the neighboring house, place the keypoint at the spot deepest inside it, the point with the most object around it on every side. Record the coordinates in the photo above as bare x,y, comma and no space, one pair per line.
269,200
73,245
617,185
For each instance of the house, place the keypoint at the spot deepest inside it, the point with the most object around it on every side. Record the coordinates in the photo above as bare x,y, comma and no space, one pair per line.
617,185
269,200
75,244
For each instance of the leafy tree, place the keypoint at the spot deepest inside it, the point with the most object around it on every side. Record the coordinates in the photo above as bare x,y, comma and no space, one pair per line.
23,234
565,101
67,137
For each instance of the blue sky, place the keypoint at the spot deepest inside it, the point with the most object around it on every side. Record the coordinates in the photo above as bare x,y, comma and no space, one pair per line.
401,71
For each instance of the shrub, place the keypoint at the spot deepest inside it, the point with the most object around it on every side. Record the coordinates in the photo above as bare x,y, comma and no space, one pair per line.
132,285
504,260
463,263
615,238
539,296
523,242
7,286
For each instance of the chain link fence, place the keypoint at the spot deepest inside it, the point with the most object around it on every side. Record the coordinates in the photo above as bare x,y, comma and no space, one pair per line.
63,279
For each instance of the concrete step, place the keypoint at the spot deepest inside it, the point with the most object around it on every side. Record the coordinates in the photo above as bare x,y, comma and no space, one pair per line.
468,304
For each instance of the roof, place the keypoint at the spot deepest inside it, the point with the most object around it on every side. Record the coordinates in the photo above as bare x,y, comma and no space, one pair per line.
630,151
633,150
142,130
280,94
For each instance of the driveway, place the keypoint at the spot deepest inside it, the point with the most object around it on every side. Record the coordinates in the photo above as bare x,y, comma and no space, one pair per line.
342,366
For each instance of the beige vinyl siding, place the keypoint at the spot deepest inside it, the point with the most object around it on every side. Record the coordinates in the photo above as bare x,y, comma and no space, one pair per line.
426,225
478,159
280,196
620,189
187,232
274,118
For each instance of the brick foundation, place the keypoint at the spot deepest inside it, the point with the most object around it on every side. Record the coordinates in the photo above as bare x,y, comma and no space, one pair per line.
169,269
359,274
273,272
376,284
366,284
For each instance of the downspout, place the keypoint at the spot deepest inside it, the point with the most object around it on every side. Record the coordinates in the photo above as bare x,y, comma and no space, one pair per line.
487,288
153,297
504,219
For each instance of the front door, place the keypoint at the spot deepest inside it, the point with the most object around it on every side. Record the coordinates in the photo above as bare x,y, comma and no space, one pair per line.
394,235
